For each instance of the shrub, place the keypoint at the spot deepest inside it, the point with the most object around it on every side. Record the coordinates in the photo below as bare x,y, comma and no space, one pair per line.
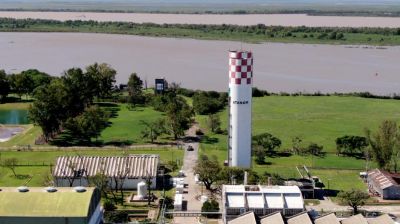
210,206
109,206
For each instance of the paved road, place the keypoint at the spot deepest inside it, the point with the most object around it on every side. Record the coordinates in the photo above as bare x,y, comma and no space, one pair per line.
193,190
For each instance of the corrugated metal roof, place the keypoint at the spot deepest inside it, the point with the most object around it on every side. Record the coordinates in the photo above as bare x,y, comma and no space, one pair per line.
133,166
303,218
275,218
247,218
382,178
383,219
327,219
357,219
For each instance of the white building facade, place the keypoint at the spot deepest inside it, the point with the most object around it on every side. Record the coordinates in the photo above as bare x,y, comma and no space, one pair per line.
121,171
262,200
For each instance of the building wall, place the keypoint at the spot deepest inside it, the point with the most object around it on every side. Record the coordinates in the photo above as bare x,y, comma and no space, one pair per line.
97,216
129,184
391,193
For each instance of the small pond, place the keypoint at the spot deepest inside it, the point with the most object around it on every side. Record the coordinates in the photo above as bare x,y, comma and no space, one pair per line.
13,117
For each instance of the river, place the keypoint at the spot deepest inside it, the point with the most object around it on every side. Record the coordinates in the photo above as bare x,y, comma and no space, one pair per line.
250,19
202,64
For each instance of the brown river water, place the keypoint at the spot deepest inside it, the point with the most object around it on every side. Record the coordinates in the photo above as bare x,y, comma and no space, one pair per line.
201,64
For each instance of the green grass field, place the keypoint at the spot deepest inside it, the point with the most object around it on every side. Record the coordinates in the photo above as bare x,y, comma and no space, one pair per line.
37,163
314,119
126,127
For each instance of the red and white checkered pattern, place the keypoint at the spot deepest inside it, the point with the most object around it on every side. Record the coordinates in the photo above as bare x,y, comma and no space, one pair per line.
240,67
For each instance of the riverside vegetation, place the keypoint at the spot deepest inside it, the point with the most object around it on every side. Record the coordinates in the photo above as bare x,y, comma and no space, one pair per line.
315,130
254,34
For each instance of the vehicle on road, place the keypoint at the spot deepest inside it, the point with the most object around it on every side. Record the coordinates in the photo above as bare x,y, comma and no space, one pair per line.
190,148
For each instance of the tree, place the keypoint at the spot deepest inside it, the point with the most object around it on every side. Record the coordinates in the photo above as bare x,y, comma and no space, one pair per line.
208,170
178,115
104,78
11,163
49,108
315,149
153,129
260,154
4,86
210,206
207,102
267,141
296,145
148,186
87,125
36,79
228,174
350,144
81,89
21,84
135,89
214,123
100,180
354,198
385,144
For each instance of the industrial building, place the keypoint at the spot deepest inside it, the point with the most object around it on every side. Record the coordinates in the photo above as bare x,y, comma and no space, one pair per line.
384,184
126,171
262,200
240,94
50,205
304,218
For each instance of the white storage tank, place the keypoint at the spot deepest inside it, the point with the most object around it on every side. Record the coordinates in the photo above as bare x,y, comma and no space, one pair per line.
141,190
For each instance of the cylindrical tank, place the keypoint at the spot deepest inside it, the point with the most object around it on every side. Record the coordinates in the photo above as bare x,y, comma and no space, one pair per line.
141,190
240,93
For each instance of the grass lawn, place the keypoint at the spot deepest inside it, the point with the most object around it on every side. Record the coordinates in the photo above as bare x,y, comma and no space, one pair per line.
37,163
126,127
14,106
314,119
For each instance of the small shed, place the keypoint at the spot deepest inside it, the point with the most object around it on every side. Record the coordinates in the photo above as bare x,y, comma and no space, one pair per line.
384,184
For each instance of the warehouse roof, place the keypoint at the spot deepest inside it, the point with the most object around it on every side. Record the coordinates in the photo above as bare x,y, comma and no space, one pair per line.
383,178
327,219
357,219
383,219
257,196
274,218
37,202
247,218
133,166
302,218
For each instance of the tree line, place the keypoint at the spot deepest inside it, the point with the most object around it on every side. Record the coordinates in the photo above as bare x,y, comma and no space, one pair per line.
224,31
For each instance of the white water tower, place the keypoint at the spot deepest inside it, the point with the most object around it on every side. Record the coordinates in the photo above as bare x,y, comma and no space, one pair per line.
240,94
